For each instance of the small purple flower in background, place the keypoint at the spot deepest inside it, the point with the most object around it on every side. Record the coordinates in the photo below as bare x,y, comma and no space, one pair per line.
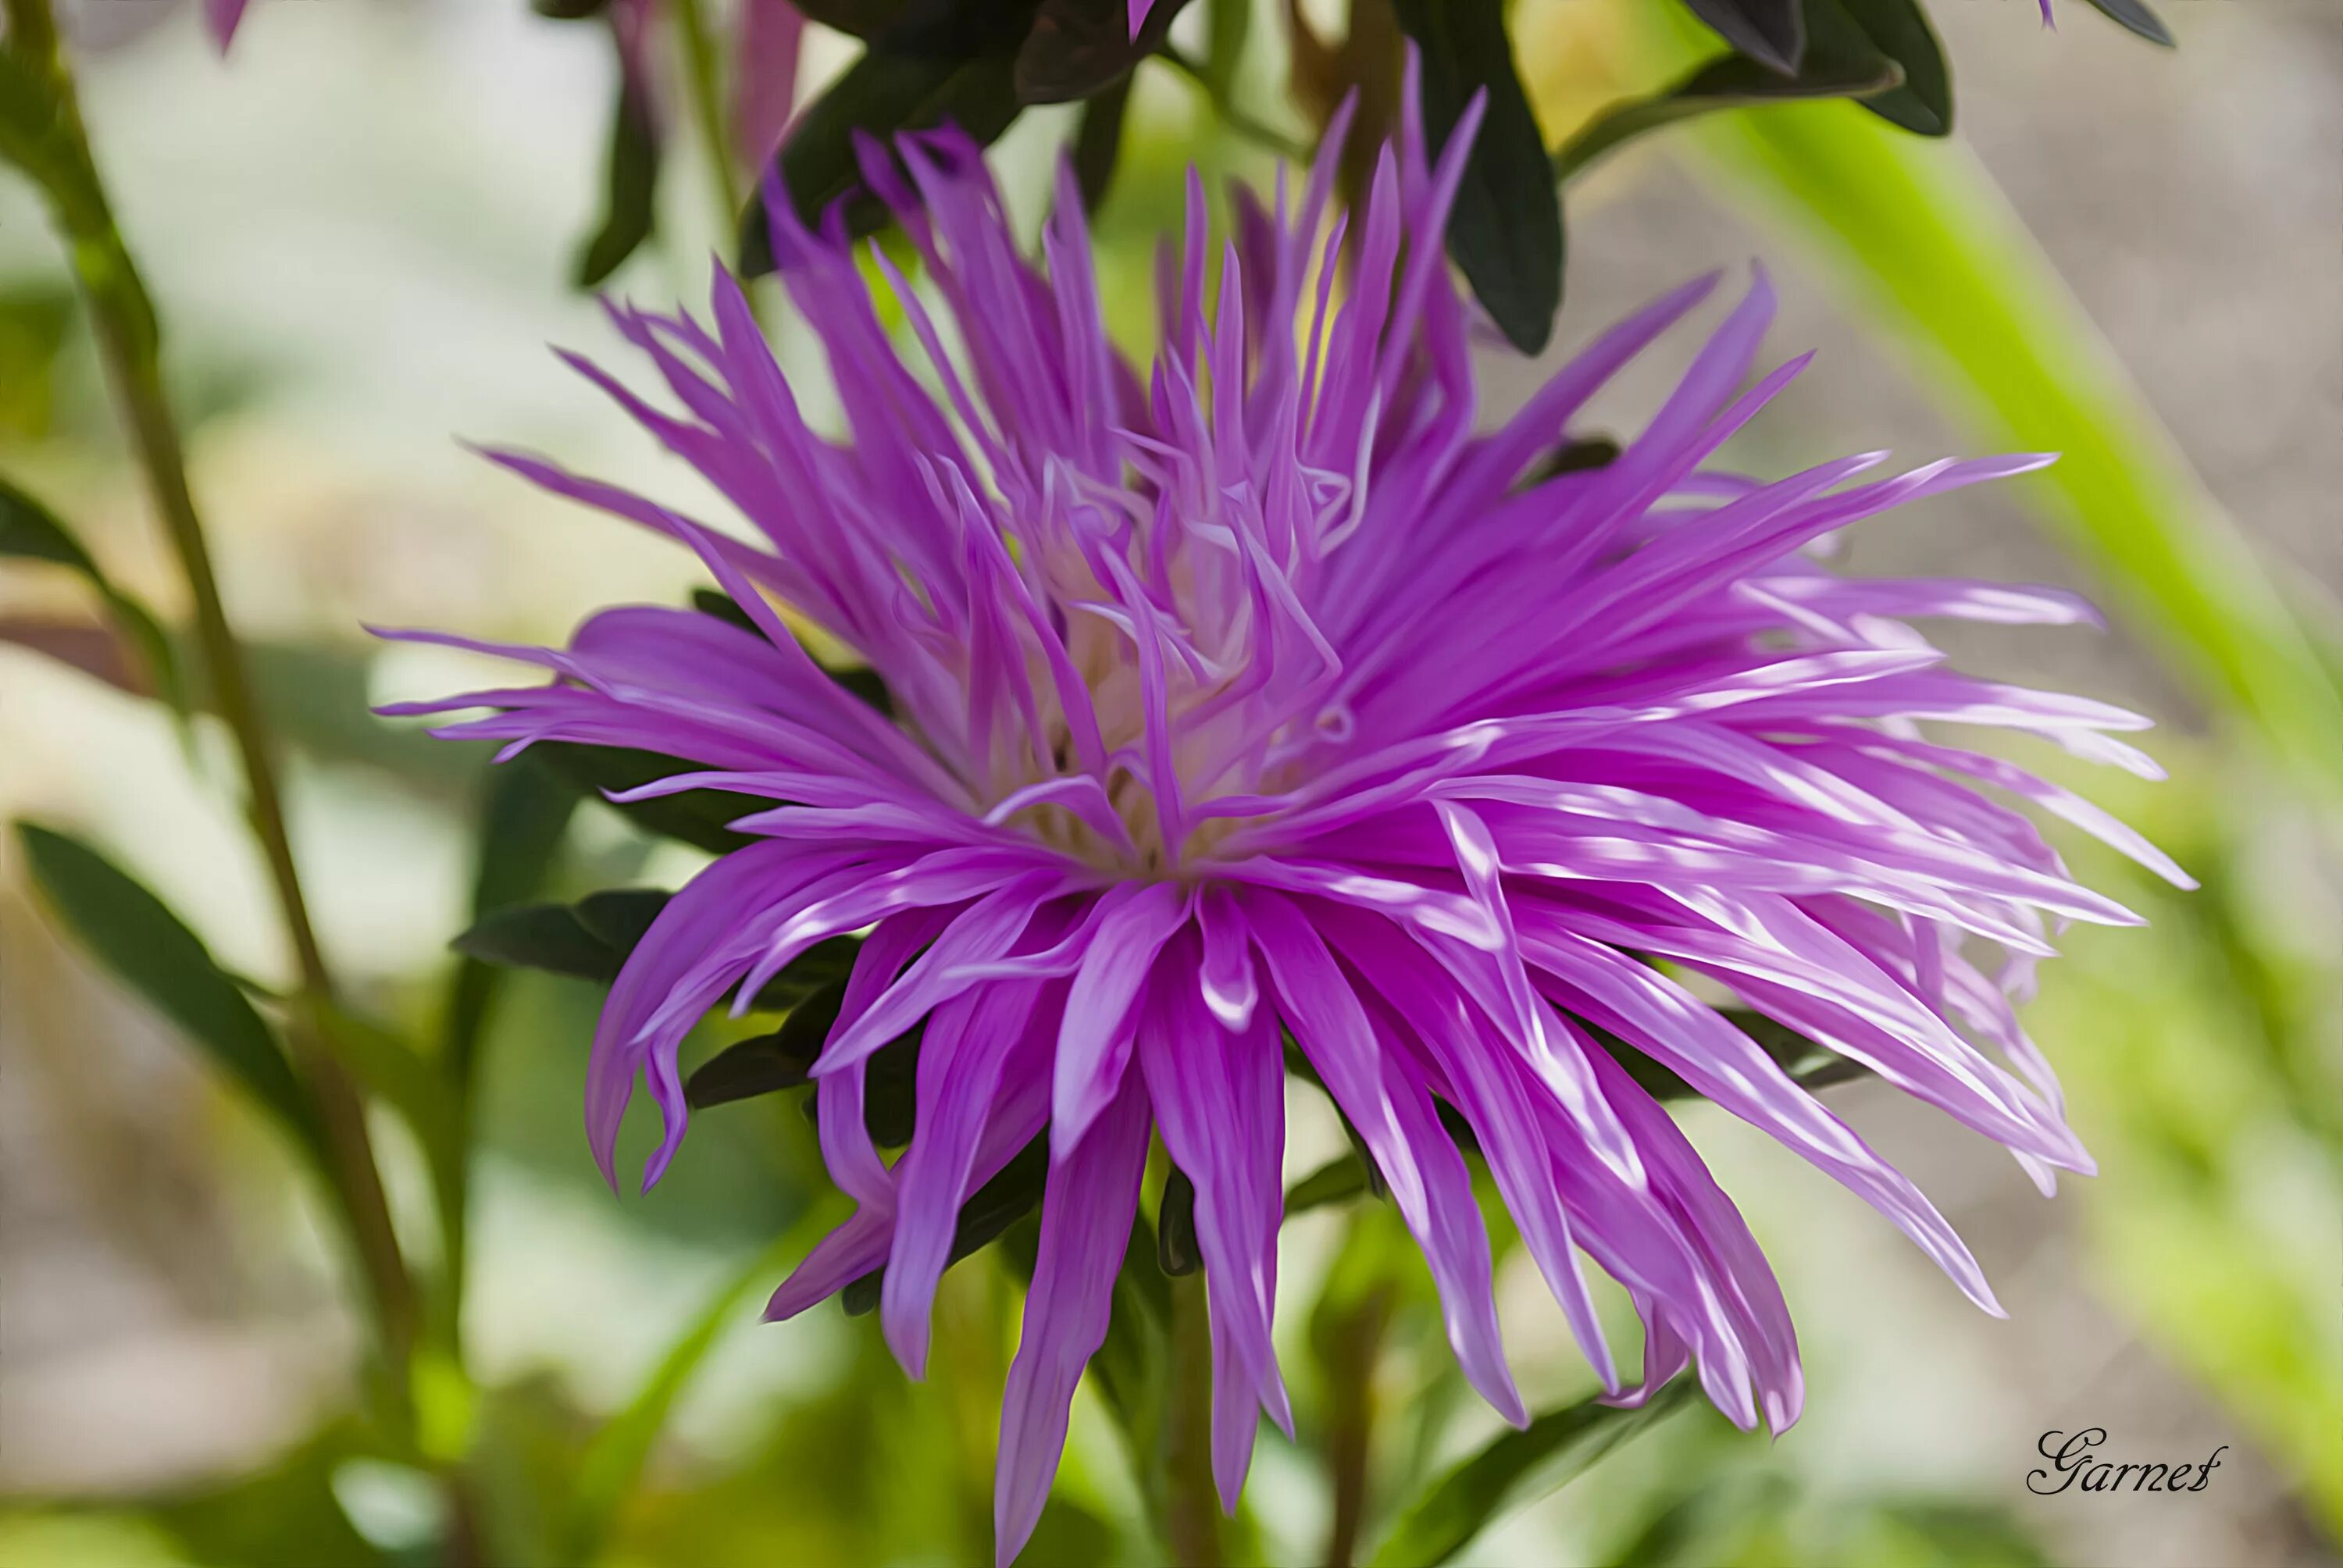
1264,699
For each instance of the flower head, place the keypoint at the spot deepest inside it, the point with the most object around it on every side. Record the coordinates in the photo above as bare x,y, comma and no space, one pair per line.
1265,697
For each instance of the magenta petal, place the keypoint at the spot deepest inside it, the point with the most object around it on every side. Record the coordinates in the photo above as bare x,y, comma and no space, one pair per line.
1086,1215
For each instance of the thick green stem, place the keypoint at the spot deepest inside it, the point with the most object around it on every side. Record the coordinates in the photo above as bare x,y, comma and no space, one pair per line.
124,319
1191,1507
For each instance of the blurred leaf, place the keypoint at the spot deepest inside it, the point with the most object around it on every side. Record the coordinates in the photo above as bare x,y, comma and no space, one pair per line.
1505,229
1728,82
548,937
284,1513
1843,30
149,948
619,916
2135,16
30,532
568,10
34,320
630,180
697,816
1079,47
1516,1468
1230,21
1773,31
525,813
1098,145
1918,231
613,1460
317,695
882,94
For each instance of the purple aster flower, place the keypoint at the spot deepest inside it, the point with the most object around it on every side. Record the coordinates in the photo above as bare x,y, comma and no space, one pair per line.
1266,696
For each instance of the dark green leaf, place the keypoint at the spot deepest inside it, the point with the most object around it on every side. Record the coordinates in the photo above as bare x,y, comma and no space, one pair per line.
619,916
1516,1468
1505,230
2138,18
630,184
725,608
1576,458
568,10
1344,1176
826,963
768,1061
890,1107
949,28
1837,65
1078,47
1770,31
1175,1226
1097,145
697,816
882,94
1013,1193
134,934
548,937
1845,29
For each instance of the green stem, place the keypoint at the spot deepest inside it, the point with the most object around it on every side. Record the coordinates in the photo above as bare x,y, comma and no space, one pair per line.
122,316
1354,1348
1191,1507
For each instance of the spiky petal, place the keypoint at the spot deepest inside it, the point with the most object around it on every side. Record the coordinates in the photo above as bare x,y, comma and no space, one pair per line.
1266,696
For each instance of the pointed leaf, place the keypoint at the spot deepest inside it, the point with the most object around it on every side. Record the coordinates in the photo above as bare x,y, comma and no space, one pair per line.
1514,1469
630,183
1731,82
1097,145
1844,29
1344,1176
1505,230
1772,31
1079,47
883,93
768,1063
135,934
2138,18
547,936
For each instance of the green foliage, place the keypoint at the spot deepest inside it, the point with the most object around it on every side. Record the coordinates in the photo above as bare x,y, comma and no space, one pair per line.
1556,1447
150,950
630,184
1506,228
31,531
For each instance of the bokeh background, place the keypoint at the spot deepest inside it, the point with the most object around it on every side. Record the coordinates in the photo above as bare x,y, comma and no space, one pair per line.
359,230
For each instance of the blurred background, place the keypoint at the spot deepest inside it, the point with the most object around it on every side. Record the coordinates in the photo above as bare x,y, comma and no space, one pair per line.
359,230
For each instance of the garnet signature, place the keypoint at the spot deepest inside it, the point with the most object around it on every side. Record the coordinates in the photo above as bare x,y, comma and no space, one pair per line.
2076,1459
